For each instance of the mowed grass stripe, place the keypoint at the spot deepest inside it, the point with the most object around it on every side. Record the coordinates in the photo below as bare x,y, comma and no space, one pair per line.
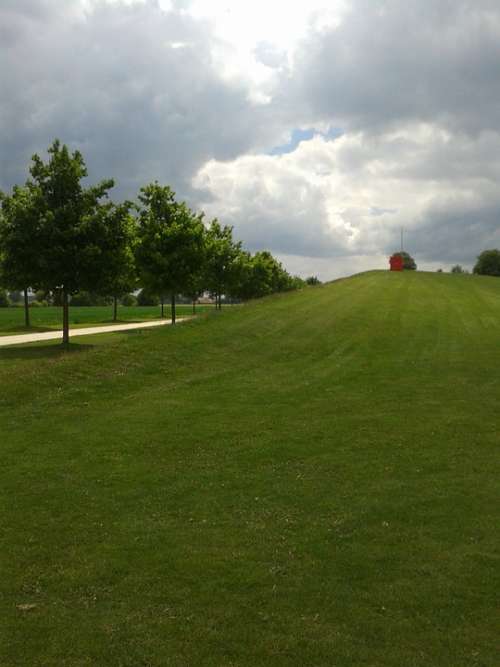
305,480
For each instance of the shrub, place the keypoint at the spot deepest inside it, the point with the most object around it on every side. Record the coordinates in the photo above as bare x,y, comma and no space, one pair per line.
145,298
43,297
84,298
129,300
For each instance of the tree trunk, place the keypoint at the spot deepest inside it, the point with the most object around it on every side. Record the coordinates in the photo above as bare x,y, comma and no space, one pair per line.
173,308
115,309
216,300
26,309
220,301
65,306
194,306
162,311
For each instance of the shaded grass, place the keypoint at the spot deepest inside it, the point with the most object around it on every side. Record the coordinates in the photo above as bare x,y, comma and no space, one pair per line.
307,480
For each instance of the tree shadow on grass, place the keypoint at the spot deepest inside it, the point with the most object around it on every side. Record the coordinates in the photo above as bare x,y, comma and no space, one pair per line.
31,352
14,330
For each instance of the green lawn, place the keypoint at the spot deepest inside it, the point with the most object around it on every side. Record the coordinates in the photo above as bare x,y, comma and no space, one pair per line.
307,480
44,319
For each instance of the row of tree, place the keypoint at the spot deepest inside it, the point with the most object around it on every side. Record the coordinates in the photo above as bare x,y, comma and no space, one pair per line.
61,237
487,264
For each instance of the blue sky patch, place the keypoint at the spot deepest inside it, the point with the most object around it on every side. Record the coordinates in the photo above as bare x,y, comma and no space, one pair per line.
304,134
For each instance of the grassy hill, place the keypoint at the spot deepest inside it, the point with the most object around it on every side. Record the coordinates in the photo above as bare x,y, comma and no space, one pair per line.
311,479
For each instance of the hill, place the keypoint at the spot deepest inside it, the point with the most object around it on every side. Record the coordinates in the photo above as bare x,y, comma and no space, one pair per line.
310,479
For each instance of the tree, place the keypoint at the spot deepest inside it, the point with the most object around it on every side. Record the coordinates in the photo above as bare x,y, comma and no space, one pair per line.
488,263
72,224
195,288
296,282
19,235
458,269
408,261
313,280
262,274
221,266
120,275
170,244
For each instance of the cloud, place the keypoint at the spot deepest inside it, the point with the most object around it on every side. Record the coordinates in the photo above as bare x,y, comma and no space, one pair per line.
317,133
352,195
133,87
414,61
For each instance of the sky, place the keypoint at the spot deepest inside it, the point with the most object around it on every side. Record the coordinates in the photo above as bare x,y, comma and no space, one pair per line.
316,129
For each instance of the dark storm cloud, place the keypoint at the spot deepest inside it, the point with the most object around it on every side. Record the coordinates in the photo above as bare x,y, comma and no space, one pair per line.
414,86
392,61
133,87
457,231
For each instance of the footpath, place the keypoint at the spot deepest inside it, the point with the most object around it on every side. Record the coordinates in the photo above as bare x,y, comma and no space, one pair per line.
19,339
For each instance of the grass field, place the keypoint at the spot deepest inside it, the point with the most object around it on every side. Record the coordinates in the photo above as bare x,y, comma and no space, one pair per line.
44,319
307,480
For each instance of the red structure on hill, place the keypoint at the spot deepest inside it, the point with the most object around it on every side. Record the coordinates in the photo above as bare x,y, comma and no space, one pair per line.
396,262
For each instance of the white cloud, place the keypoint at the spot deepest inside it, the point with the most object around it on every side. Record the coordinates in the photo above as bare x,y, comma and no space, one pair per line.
196,93
351,196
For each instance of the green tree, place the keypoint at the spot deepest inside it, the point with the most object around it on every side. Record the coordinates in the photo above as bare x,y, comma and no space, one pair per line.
72,224
120,276
195,288
221,263
313,280
488,263
4,299
262,274
408,261
19,241
458,269
296,282
170,245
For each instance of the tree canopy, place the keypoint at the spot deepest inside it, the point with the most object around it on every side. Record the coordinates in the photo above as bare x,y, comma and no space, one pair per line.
488,263
170,245
19,242
221,261
72,234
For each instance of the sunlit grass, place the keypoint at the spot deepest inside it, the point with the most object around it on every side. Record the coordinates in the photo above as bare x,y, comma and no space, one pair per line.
306,480
47,318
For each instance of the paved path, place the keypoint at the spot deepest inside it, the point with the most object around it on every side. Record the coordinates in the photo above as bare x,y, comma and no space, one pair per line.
51,335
